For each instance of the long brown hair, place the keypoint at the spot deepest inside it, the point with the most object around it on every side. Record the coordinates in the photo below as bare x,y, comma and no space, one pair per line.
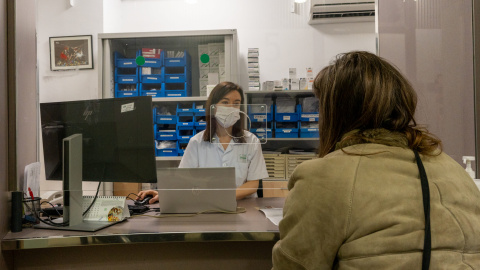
216,95
360,90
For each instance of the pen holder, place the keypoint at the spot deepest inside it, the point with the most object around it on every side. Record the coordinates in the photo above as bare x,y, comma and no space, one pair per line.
32,210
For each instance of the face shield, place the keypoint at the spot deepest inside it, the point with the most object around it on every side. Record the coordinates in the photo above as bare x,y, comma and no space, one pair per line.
233,120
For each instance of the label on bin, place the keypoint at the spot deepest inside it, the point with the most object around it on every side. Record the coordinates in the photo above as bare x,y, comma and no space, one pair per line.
128,107
166,119
260,118
287,130
312,129
174,78
128,80
152,78
313,115
173,61
151,62
286,117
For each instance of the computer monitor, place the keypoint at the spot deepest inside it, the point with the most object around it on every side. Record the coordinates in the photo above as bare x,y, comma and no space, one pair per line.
118,138
103,140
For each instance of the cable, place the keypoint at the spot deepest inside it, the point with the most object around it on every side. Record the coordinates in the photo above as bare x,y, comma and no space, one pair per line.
128,196
94,199
53,206
37,216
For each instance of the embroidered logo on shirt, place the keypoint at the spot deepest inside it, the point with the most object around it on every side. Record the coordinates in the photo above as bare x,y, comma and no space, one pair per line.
242,158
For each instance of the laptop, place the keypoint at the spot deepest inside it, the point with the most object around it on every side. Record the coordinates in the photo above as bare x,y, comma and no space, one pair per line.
194,190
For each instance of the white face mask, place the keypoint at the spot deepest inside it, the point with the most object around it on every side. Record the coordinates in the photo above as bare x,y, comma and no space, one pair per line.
227,116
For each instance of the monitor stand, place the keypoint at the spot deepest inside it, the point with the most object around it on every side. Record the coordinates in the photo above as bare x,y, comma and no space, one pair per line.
72,191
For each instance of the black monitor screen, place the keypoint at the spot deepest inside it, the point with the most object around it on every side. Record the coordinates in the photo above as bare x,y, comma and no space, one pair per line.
118,140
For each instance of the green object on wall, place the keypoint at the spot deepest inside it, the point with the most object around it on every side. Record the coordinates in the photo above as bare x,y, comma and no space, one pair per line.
205,58
140,60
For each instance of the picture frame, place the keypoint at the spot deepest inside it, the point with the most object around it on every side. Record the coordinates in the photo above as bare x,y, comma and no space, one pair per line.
71,52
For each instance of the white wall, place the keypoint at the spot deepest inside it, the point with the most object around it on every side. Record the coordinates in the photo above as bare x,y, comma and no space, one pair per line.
285,39
58,18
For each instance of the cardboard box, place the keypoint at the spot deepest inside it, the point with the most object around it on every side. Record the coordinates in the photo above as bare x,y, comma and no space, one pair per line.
215,48
123,189
203,73
151,52
213,79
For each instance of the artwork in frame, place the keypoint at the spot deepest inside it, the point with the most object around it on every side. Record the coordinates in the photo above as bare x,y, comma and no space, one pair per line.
73,52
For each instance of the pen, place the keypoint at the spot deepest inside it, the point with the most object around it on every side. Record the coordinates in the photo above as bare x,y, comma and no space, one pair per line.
31,194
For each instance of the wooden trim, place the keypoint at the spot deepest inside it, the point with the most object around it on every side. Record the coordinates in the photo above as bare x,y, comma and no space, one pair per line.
11,97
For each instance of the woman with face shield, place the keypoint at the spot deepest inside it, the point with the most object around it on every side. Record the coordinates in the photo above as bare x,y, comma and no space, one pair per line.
225,142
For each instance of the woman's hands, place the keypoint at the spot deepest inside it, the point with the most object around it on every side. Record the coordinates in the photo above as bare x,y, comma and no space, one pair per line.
153,193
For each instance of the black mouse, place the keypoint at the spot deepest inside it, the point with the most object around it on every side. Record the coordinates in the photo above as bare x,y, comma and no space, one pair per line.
144,201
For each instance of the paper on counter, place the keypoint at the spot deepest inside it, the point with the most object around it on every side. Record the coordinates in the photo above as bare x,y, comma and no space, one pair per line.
32,179
275,215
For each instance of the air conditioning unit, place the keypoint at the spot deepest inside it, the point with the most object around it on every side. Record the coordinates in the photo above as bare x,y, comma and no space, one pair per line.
340,11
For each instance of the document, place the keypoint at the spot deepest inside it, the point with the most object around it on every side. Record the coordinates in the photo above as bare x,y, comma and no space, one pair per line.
275,215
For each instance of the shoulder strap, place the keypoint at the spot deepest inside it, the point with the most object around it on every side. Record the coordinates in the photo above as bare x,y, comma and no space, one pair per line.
427,244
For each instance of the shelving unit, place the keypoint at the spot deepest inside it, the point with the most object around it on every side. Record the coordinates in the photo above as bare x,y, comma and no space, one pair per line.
129,45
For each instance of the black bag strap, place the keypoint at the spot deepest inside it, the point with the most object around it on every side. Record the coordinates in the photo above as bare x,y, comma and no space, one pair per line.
427,243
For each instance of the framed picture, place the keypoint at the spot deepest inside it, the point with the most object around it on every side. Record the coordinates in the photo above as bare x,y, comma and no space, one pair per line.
74,52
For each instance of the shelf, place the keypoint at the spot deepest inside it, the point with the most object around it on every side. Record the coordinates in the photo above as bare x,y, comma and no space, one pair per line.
293,92
176,99
168,158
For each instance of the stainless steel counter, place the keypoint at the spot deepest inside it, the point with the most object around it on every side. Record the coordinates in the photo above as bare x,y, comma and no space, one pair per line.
249,226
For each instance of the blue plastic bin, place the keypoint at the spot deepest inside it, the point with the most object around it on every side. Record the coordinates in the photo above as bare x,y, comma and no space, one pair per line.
153,90
152,78
287,117
309,133
185,121
185,108
167,152
261,133
122,62
163,119
200,128
120,92
185,134
177,89
126,75
177,62
307,116
286,132
261,117
166,132
177,74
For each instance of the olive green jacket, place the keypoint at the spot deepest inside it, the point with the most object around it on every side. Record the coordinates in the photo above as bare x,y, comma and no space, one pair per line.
366,212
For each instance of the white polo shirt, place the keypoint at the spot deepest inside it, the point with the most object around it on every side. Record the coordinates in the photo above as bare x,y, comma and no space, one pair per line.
247,158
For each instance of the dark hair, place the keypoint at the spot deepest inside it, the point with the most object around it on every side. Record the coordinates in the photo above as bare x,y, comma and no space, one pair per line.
216,95
360,90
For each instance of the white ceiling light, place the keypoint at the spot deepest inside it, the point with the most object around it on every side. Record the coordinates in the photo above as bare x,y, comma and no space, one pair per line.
300,1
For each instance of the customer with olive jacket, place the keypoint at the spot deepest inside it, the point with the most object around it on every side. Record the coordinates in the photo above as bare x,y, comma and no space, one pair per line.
359,206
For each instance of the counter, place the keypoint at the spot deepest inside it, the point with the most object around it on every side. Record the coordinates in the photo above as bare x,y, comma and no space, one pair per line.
234,239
